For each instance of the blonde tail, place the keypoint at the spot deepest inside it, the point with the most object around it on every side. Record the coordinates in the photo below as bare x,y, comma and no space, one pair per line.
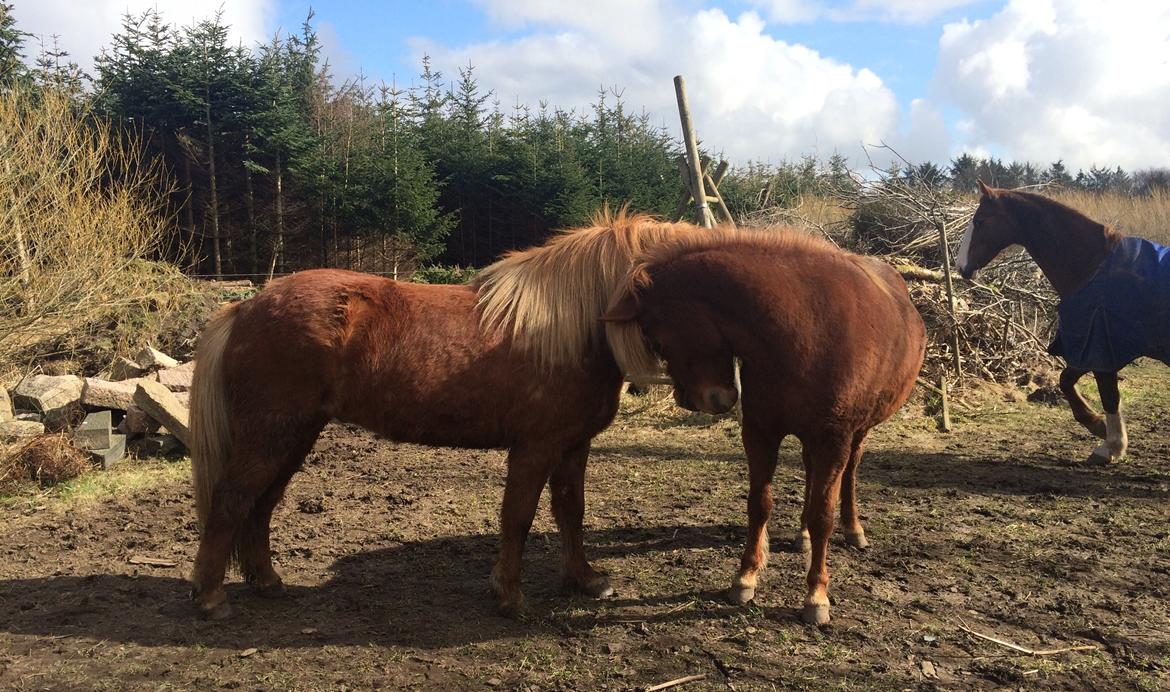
210,434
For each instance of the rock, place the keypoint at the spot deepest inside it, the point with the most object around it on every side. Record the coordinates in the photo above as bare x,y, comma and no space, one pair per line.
177,379
153,359
95,432
108,455
12,429
112,395
58,398
161,405
137,422
126,369
156,446
6,412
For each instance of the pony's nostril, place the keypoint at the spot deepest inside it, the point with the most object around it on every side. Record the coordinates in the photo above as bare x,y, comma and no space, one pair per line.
721,400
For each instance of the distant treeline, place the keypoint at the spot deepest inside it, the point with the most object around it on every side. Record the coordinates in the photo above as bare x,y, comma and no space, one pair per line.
276,166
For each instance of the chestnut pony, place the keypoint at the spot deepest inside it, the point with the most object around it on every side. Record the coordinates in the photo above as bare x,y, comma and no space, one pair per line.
1114,295
829,344
518,361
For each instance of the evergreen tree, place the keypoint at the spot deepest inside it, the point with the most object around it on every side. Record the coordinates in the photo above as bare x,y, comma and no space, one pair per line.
12,69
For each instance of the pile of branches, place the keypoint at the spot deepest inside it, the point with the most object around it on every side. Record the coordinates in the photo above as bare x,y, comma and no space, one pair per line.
997,327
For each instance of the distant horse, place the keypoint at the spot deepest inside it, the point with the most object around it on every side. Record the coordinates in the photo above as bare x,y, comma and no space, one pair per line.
519,360
829,343
1114,295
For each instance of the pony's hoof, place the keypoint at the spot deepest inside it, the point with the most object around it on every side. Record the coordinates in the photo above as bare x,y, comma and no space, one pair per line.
512,610
802,544
740,595
816,614
856,540
1096,459
217,611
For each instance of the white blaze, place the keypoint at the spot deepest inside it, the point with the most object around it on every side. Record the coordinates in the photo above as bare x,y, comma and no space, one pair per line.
965,246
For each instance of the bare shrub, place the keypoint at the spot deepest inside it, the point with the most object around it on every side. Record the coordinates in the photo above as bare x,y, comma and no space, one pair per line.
81,213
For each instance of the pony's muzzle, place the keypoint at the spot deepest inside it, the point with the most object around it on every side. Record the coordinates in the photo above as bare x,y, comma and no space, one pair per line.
719,399
967,272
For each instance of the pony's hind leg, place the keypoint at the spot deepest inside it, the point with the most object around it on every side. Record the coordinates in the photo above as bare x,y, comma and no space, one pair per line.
1081,411
828,458
1116,441
528,470
850,519
761,446
253,549
241,510
567,490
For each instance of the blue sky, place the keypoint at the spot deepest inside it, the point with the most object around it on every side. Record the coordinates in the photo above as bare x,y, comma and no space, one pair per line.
770,80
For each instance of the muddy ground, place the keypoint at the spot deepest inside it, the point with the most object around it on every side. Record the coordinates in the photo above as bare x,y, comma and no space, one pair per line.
386,549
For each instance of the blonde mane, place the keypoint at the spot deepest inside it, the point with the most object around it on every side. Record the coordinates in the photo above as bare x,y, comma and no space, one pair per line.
629,347
550,298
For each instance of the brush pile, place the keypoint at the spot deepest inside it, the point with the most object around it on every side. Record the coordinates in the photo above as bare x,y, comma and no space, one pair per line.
1000,324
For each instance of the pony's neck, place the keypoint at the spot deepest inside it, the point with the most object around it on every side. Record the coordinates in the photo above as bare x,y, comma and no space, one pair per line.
1066,245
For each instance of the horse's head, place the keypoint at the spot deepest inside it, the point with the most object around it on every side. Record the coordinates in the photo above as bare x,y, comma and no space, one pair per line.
683,334
991,230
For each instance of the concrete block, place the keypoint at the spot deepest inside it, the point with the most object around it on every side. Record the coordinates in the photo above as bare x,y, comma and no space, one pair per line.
13,429
177,379
161,404
57,398
95,432
157,446
126,369
137,422
113,395
154,359
107,456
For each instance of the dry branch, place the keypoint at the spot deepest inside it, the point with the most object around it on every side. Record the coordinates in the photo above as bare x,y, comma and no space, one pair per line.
1023,649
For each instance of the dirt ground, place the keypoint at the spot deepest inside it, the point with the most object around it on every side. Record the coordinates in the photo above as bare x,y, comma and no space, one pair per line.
386,549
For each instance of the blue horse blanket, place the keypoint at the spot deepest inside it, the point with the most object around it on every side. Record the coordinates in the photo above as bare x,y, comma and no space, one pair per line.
1121,313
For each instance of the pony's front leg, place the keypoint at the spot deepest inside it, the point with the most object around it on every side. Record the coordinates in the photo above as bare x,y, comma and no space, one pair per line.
528,469
1080,408
827,460
567,490
761,446
1113,449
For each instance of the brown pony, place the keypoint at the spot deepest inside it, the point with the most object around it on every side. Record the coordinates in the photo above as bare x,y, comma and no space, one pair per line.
829,343
1114,295
519,361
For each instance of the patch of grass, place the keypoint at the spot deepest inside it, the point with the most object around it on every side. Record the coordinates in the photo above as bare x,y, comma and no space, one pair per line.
126,477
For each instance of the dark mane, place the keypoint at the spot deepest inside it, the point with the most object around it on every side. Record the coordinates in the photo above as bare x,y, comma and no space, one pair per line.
1038,211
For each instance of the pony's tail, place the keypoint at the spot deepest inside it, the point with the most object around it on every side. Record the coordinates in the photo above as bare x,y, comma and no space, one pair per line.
210,432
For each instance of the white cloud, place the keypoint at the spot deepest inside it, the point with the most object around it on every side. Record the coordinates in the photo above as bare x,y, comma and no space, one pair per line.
896,11
752,96
84,28
1079,80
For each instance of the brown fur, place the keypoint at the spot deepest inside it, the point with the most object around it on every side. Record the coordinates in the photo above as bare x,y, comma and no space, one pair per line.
414,363
830,346
1068,247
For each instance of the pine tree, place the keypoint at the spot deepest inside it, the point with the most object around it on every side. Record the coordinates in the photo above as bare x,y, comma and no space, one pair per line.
12,69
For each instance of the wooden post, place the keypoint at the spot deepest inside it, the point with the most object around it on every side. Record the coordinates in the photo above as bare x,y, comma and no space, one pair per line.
703,215
944,421
946,262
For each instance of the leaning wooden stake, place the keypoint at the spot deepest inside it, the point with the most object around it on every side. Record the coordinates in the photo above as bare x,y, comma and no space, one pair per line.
703,215
950,286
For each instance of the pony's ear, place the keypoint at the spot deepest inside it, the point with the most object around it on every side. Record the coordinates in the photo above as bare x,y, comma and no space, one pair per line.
983,189
624,308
